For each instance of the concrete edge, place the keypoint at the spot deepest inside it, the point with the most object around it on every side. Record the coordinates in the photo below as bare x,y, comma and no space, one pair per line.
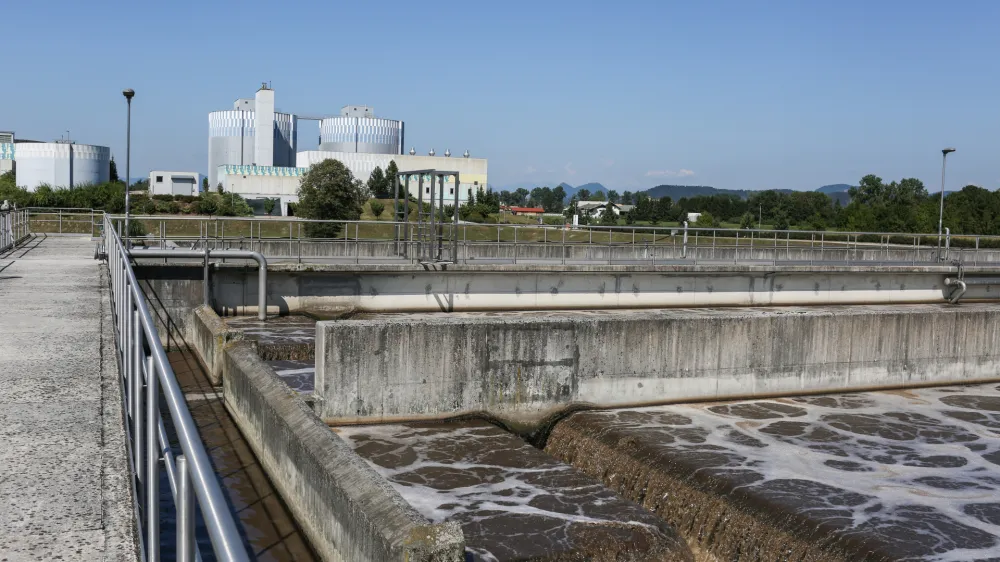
210,335
118,501
390,268
348,511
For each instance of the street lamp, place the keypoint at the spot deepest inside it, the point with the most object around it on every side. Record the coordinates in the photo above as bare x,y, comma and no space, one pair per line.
128,93
944,159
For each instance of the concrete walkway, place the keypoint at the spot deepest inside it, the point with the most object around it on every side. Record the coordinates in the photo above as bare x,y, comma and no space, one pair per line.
64,484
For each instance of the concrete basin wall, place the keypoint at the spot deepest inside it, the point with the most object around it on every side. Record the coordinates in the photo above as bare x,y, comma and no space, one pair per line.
347,510
405,288
210,337
520,367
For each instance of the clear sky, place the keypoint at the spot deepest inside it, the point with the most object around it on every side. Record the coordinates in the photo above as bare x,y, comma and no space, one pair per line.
735,94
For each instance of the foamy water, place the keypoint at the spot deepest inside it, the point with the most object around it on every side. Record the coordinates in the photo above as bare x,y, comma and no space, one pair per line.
512,500
915,474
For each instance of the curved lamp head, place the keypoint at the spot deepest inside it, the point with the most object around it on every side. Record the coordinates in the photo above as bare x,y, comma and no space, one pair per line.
128,93
947,151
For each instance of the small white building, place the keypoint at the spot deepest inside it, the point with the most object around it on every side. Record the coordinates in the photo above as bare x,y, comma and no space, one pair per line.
596,209
693,217
174,183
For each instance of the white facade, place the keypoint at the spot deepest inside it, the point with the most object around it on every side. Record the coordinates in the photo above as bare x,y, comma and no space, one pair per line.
263,182
174,183
472,171
233,137
61,165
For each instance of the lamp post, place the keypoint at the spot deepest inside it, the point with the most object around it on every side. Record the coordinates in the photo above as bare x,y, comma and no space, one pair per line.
944,159
128,93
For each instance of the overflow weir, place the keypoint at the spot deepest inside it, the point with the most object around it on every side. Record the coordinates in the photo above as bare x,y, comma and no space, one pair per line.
400,428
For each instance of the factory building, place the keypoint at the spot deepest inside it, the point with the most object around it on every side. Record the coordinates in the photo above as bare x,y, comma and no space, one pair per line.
233,138
59,164
270,166
472,172
6,152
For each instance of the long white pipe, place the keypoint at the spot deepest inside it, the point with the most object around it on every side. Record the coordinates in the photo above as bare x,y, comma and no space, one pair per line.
237,254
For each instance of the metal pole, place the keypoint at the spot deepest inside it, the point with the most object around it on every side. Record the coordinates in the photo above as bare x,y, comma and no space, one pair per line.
420,216
395,214
185,512
204,282
454,235
152,466
944,161
128,93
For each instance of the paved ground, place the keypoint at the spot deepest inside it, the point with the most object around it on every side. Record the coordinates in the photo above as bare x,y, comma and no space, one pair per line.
64,489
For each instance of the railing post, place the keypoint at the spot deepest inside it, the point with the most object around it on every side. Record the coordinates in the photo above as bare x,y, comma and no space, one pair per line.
185,512
60,221
152,466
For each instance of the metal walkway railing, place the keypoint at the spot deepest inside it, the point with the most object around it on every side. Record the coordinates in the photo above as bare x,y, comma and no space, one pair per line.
147,380
13,228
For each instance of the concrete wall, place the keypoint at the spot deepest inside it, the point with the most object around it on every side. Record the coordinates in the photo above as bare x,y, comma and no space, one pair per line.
210,337
347,510
523,366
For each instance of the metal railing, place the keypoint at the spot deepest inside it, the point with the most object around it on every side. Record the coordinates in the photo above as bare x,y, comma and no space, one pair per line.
66,220
285,238
148,380
13,228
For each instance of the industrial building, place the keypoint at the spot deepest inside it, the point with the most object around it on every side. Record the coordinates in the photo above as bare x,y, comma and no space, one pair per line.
59,164
270,166
174,183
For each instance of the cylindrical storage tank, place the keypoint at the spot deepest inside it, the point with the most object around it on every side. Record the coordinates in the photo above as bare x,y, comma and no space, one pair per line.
230,141
285,139
61,165
369,135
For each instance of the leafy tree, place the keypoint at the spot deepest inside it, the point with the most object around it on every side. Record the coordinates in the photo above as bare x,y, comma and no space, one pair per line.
204,184
613,196
218,188
583,195
521,196
269,205
141,185
663,210
608,217
706,220
781,221
747,221
377,207
328,191
377,184
558,199
208,205
113,174
391,173
627,198
597,196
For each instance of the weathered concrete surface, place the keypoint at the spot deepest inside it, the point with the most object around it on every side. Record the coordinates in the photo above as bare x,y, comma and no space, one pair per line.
64,480
210,336
524,366
404,288
347,510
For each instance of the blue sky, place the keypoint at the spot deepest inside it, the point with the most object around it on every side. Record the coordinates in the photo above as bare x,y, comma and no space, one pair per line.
735,94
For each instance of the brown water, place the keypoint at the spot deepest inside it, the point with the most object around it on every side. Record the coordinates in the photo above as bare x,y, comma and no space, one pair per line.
911,475
513,501
268,529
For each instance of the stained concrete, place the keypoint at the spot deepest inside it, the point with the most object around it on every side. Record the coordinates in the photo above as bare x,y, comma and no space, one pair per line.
64,484
522,366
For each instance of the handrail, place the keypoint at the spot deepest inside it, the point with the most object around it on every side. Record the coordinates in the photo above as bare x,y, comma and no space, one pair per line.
236,254
13,228
145,371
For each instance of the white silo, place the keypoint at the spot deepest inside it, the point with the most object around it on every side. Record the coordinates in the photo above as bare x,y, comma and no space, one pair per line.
357,129
61,164
233,140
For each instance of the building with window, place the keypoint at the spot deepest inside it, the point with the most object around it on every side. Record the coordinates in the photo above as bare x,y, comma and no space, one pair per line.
174,183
